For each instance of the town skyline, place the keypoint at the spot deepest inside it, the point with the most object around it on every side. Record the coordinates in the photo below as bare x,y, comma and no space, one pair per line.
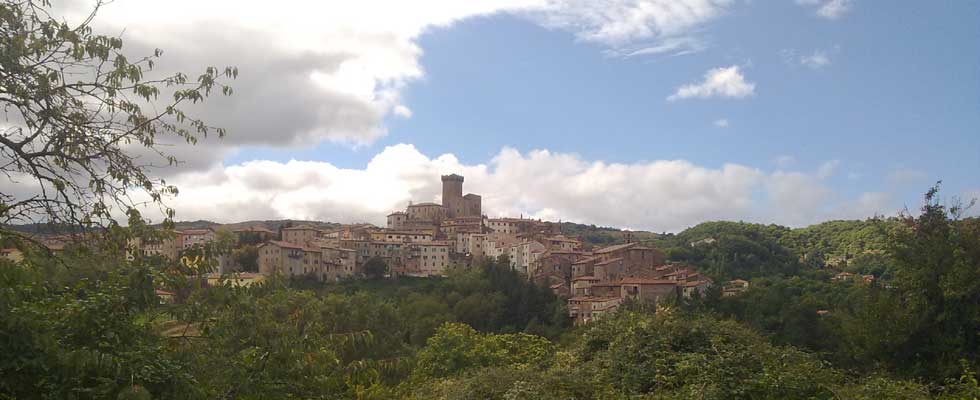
791,113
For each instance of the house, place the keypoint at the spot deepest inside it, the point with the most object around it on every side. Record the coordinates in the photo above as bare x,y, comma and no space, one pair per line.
734,287
580,285
242,279
11,254
166,297
584,309
300,234
189,238
842,277
166,245
649,290
283,257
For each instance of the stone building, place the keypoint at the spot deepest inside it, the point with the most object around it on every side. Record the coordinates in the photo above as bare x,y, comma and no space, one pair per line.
397,220
195,237
455,204
300,234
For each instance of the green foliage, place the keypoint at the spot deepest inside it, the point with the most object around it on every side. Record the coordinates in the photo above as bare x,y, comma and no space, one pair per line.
375,268
246,258
684,356
76,104
456,348
730,250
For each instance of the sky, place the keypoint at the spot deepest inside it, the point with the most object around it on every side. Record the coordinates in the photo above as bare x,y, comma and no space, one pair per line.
640,114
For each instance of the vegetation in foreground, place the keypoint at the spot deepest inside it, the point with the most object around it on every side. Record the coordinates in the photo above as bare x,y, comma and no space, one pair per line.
88,325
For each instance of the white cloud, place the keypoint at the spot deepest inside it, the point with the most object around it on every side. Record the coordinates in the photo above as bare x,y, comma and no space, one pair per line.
721,123
830,9
621,22
332,71
907,176
718,82
827,169
659,195
403,111
784,161
817,60
671,46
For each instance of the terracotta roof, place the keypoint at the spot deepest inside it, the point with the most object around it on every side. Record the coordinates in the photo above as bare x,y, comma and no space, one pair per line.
609,261
280,243
614,248
606,285
584,260
424,205
204,231
592,298
586,278
561,239
300,228
643,281
557,285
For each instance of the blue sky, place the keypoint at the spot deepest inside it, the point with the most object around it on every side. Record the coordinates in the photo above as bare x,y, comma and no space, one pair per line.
871,98
902,91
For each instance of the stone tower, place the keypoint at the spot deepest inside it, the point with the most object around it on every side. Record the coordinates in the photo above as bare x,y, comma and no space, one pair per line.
452,195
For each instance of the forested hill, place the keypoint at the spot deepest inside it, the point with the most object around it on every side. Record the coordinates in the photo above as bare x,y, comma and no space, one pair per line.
728,250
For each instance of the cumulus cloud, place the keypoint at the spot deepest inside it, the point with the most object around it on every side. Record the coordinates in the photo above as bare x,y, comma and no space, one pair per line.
617,22
907,176
830,9
827,169
662,195
816,60
718,82
721,123
784,161
331,71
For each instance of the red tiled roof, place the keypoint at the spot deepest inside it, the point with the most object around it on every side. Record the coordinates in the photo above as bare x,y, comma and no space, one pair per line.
424,205
606,285
300,228
642,281
609,261
282,244
586,278
592,298
614,248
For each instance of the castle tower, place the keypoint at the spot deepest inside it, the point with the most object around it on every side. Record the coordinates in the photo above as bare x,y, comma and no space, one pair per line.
452,195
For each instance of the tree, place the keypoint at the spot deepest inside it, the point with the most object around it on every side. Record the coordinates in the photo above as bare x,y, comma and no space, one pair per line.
247,258
375,268
76,104
938,275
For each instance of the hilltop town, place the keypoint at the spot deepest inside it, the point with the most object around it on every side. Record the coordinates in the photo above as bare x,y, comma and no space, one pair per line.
427,239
